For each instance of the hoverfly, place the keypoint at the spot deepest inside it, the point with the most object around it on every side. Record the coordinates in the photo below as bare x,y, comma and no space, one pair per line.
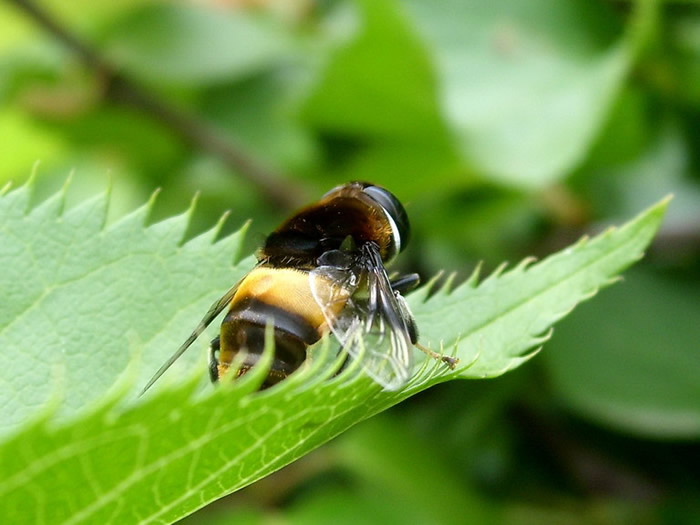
323,270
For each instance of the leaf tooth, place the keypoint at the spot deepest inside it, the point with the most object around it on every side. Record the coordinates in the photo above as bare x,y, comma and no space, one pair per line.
16,203
187,215
473,279
30,186
214,232
609,231
432,370
583,241
232,386
541,339
235,241
422,293
204,240
585,296
49,209
496,273
351,372
524,264
230,247
420,375
330,362
313,372
515,362
613,280
138,218
89,215
107,196
148,207
253,379
5,188
510,364
63,192
171,393
448,285
469,364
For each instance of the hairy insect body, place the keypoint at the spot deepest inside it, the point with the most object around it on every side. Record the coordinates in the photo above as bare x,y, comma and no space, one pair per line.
284,296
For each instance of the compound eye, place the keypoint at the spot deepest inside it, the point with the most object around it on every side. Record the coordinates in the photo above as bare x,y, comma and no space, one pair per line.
396,212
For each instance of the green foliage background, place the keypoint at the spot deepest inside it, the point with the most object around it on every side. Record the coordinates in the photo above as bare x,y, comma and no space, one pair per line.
509,129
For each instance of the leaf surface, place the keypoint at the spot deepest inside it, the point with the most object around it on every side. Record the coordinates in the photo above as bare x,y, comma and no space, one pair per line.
91,297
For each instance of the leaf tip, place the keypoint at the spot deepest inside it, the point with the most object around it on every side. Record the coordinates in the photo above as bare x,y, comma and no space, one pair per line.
448,285
241,233
63,192
525,263
193,205
33,174
150,204
473,279
216,230
107,198
660,207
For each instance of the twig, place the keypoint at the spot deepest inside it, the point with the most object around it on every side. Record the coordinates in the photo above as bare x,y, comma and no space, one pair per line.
197,132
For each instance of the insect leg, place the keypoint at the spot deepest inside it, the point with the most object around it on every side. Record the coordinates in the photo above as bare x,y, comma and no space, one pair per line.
214,347
450,361
405,283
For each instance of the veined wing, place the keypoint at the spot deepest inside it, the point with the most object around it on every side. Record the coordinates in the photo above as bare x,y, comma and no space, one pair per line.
367,316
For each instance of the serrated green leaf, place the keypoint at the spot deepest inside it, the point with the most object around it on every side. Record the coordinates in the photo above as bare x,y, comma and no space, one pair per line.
502,318
81,299
71,281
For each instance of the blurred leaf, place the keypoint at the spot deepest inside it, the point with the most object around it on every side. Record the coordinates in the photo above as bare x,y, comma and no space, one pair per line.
194,45
587,512
399,467
27,141
378,89
626,134
379,84
260,114
124,139
482,223
23,68
12,27
662,167
227,516
642,380
677,71
525,86
409,167
351,506
80,297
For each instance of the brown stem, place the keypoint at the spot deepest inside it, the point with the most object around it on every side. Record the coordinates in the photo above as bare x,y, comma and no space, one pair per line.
195,131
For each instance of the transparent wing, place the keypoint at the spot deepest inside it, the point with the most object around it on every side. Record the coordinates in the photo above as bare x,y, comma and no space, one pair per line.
367,316
214,310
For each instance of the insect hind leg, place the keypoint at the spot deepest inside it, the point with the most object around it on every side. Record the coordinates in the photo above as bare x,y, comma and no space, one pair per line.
214,348
450,361
405,283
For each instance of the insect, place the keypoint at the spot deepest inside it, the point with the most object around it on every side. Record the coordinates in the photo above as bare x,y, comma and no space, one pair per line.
323,270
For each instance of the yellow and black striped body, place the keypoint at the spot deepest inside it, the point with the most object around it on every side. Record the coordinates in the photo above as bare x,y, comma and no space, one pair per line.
282,294
335,244
279,287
